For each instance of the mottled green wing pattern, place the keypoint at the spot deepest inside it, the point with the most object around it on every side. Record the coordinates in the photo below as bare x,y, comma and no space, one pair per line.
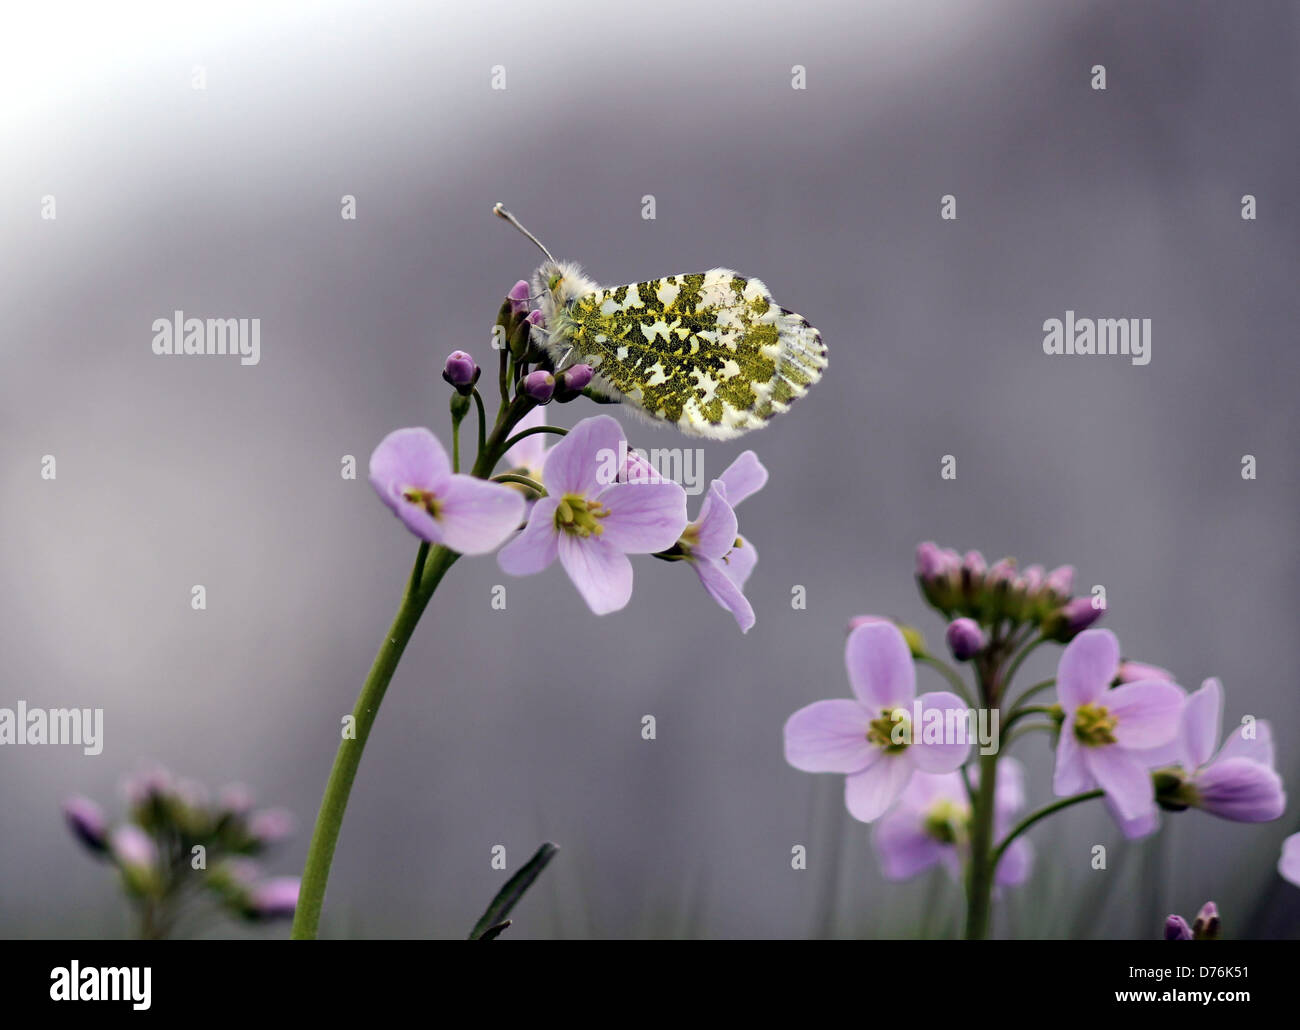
709,351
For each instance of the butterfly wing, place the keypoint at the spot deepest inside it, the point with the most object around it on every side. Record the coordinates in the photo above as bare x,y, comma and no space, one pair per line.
710,352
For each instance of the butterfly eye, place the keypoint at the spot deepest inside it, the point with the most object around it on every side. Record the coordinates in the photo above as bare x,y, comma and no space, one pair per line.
554,281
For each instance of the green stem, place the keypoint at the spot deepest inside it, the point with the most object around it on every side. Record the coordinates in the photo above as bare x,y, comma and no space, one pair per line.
482,420
1024,731
513,477
424,580
1018,659
979,889
1042,813
950,674
1037,688
1020,712
532,432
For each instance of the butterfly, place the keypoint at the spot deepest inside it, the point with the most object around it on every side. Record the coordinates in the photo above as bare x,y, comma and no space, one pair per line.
709,352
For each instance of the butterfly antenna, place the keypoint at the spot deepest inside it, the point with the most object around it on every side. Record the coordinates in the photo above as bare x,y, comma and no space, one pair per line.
501,212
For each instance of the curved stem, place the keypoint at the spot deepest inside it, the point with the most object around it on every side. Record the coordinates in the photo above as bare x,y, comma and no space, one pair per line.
1037,688
1020,713
512,477
1018,659
482,420
531,432
424,580
1042,813
1024,731
950,674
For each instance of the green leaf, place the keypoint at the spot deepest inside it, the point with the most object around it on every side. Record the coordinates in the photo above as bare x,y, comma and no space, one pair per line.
494,920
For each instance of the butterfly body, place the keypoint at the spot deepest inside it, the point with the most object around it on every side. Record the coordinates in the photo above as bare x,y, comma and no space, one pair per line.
709,352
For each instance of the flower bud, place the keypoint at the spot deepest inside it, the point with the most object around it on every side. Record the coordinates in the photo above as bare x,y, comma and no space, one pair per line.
1060,581
271,825
539,385
1206,925
1071,619
235,799
973,562
520,337
1176,929
461,371
535,317
275,898
519,296
87,821
965,639
929,560
137,856
577,377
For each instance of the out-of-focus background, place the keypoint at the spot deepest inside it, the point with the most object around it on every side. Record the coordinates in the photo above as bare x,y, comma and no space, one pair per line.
510,727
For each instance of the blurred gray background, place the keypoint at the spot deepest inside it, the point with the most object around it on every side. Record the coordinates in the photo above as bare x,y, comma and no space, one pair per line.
517,726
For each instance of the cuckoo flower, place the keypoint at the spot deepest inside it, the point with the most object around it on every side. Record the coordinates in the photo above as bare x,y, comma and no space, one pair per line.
871,738
592,526
412,475
720,557
930,826
1105,731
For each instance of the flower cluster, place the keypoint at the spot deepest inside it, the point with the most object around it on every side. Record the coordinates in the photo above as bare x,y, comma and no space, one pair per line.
178,842
1123,731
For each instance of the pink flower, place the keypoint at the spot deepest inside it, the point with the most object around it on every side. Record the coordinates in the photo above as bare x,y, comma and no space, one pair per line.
1105,731
593,525
714,548
412,475
872,739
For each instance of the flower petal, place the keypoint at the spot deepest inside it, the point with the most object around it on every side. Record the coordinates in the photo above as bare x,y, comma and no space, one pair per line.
477,516
1147,714
870,794
530,452
1288,866
536,547
903,846
1087,667
1071,775
411,457
1202,717
740,561
829,736
1133,829
743,477
1016,864
716,526
723,589
643,517
586,460
950,750
600,571
1240,790
1124,779
1258,747
880,666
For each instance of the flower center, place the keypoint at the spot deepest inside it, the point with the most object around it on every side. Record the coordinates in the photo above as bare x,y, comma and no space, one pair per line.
946,822
579,516
423,499
1093,725
892,731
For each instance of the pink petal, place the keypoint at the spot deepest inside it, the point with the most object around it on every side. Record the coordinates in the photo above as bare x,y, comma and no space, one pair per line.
740,561
529,452
953,748
880,666
536,547
1124,779
600,571
1240,790
643,517
477,516
1288,866
1199,733
1087,667
1258,748
408,458
1071,775
590,452
903,846
870,793
829,736
1016,864
723,589
1133,829
716,525
743,477
1146,714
